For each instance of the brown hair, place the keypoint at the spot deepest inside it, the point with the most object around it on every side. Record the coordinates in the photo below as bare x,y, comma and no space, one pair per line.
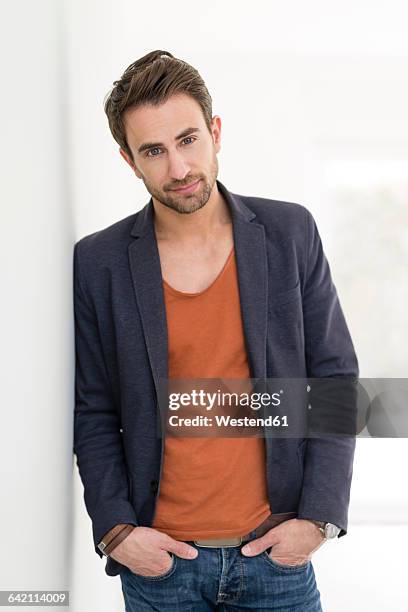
152,79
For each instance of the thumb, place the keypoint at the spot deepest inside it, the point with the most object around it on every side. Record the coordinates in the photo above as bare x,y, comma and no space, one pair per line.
255,547
181,549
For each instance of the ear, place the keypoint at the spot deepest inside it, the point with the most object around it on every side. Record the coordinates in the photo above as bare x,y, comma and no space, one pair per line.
129,161
216,132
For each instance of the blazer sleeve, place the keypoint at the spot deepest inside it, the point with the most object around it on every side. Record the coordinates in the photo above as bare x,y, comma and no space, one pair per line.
329,351
97,434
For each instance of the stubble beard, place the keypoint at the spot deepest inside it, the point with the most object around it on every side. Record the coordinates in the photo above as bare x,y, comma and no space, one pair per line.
187,204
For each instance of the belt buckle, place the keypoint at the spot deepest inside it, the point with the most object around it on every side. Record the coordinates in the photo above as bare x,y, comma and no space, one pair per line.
221,542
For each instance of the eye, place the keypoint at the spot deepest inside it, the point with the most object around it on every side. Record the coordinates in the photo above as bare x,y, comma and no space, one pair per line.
148,153
189,138
150,150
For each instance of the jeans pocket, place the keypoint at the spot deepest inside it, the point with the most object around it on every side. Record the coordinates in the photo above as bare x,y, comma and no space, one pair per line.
166,574
283,567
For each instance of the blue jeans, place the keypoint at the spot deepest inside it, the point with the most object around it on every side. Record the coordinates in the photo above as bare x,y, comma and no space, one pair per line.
223,579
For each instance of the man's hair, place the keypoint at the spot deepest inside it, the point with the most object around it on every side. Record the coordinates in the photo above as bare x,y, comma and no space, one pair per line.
152,79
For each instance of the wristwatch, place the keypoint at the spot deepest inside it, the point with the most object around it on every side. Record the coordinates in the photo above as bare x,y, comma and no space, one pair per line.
328,530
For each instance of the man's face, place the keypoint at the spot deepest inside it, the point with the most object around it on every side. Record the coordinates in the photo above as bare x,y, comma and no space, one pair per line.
173,148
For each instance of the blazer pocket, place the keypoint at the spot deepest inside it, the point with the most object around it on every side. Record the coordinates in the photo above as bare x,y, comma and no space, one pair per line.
284,297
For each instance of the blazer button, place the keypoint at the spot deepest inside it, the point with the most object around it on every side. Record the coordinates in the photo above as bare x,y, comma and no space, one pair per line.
154,485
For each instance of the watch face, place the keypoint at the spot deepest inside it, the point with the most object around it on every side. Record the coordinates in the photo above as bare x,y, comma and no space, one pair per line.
331,531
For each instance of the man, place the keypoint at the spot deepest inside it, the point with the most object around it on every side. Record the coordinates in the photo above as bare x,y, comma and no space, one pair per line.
202,283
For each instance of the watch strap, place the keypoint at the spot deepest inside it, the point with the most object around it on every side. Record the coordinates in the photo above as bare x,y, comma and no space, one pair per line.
321,525
328,530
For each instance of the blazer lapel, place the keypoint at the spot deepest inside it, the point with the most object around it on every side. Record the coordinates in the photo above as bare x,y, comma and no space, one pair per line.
145,269
251,258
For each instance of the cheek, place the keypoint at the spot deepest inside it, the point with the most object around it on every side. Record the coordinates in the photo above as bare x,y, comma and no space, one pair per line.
155,176
203,149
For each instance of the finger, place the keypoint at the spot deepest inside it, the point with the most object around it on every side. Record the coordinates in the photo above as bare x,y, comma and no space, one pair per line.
289,557
255,547
181,549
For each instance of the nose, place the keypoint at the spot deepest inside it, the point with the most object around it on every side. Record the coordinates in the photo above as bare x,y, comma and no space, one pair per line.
178,168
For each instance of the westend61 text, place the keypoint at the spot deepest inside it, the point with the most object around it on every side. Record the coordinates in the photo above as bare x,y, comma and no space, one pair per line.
227,421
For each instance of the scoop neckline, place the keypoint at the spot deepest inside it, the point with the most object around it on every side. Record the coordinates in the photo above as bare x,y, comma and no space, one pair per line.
188,293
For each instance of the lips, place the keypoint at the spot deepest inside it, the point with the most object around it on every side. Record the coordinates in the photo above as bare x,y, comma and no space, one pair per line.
188,188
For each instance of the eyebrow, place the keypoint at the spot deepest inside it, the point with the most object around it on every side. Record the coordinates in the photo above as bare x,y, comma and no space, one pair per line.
152,145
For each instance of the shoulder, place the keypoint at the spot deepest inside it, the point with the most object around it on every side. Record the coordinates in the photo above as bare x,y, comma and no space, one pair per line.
106,243
108,236
103,253
280,218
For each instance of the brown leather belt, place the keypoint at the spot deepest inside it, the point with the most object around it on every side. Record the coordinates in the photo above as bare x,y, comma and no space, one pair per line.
271,521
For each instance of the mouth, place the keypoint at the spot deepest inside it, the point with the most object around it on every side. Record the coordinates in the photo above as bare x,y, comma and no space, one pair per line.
188,188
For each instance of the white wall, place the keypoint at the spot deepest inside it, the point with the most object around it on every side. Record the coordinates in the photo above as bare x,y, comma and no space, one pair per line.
36,312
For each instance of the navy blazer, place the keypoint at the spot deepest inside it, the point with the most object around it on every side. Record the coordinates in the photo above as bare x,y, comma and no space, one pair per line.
294,327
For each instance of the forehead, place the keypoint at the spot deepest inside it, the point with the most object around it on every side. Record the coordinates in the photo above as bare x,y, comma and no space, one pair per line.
151,123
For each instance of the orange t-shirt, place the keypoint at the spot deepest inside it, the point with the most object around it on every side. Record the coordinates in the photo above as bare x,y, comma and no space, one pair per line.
210,487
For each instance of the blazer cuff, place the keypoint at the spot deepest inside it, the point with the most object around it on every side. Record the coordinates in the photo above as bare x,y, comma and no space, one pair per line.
317,517
110,514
